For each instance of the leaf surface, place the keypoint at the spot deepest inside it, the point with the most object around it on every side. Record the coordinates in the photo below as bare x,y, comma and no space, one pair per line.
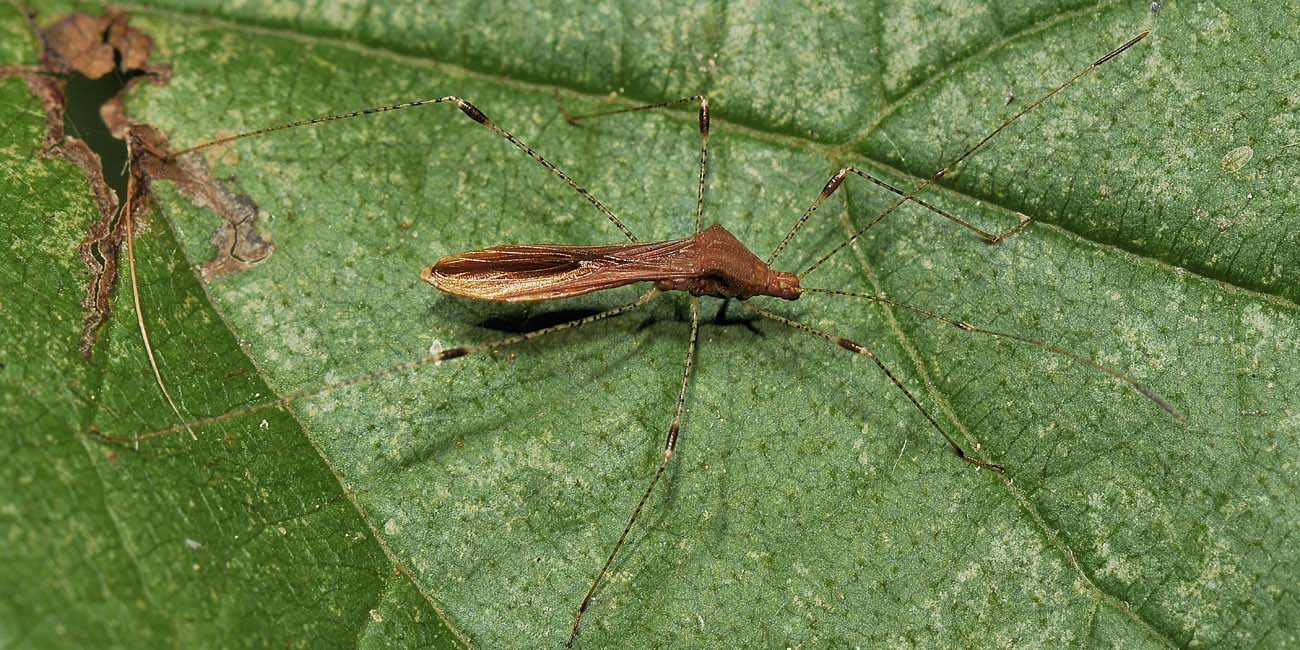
810,504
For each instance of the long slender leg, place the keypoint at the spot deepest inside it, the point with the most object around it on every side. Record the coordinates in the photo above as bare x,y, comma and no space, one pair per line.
1137,386
669,446
465,107
128,221
857,348
434,358
834,184
704,138
934,178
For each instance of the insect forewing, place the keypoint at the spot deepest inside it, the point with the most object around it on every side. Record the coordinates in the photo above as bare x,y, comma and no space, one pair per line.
529,273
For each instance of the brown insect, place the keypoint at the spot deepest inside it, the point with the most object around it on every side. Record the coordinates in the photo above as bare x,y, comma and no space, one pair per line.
711,262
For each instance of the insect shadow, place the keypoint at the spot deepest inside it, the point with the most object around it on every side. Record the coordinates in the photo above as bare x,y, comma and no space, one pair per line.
709,263
520,322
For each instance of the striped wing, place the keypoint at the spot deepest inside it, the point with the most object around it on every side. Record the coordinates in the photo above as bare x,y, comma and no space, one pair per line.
531,273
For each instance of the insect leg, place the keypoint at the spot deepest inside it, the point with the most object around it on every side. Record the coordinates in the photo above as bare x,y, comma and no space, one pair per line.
834,184
129,205
465,107
934,178
669,446
1137,386
704,138
466,350
434,358
857,348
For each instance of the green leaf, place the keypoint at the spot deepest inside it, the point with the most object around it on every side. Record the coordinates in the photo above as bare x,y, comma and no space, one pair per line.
809,505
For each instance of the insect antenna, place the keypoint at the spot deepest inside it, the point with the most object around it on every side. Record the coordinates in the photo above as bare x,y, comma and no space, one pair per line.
1136,385
934,178
834,184
433,358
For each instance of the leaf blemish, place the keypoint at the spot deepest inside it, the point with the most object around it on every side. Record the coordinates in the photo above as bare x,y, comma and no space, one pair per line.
1237,158
88,64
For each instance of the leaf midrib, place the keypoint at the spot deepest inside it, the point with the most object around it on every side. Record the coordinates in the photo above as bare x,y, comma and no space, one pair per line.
344,491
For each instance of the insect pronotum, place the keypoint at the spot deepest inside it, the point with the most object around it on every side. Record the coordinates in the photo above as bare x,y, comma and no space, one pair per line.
711,262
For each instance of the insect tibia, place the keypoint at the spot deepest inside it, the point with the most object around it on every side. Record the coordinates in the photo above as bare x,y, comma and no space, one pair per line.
1161,402
191,426
333,118
282,402
1120,50
1140,388
972,150
992,467
864,351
